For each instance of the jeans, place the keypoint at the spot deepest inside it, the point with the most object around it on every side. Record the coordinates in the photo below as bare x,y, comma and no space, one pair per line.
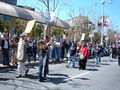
98,58
5,57
52,53
29,53
110,56
71,60
58,53
34,56
43,67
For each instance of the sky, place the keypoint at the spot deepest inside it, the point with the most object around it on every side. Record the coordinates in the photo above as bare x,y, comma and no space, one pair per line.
81,7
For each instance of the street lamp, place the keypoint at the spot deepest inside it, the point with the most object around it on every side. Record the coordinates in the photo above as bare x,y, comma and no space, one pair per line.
103,3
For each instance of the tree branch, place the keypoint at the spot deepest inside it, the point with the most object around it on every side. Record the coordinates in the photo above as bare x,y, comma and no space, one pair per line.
43,1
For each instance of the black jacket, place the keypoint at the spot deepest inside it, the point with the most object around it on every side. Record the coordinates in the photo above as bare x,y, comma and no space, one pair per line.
3,42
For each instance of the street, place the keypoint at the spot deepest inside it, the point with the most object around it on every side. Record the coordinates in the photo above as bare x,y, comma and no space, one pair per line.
102,77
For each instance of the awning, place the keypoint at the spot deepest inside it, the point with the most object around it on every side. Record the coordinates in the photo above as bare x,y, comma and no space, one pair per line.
14,11
60,23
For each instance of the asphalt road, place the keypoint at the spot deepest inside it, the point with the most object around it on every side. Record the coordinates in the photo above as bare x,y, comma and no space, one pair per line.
104,77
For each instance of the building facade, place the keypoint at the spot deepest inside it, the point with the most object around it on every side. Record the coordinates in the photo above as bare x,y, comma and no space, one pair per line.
78,24
12,2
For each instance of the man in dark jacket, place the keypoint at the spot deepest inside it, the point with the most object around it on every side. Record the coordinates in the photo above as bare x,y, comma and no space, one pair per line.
5,50
72,52
98,52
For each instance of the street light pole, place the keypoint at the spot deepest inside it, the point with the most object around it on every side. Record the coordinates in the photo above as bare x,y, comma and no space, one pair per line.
102,2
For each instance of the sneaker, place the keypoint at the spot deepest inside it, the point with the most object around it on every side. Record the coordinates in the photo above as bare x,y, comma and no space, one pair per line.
18,76
73,66
67,66
79,68
26,72
45,78
41,80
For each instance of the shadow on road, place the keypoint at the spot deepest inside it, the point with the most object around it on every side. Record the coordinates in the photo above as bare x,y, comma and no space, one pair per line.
92,69
105,64
4,79
58,78
83,78
58,74
9,70
91,65
32,76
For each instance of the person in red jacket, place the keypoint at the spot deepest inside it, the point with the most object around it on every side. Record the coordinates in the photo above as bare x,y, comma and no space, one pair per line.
84,51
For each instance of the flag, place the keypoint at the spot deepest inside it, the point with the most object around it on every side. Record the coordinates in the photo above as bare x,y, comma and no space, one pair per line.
105,20
100,21
29,26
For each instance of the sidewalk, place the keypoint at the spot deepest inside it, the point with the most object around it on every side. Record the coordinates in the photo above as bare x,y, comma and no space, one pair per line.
32,63
27,64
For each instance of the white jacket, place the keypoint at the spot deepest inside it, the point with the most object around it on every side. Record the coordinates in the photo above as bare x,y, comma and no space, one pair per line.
21,50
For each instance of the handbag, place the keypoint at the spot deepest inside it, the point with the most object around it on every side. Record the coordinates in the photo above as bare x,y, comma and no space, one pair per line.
81,56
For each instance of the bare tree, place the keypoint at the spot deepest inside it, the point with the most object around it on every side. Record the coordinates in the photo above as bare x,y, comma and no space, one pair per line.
82,21
51,6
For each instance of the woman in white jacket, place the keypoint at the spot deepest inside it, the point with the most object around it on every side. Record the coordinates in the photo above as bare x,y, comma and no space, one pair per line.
21,54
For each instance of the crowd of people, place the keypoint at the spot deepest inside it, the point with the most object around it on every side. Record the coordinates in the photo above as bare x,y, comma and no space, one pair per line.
55,50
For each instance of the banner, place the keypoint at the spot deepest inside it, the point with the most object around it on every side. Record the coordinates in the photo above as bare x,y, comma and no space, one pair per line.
100,22
52,16
29,26
106,21
83,36
1,35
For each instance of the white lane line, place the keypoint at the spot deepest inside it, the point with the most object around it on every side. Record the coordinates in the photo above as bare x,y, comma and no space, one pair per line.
77,76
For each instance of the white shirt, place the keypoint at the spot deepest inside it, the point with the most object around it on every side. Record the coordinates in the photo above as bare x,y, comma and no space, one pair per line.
57,44
30,44
6,44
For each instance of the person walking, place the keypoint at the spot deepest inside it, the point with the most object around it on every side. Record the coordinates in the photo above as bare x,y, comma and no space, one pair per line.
98,53
114,51
118,52
21,57
110,54
72,52
43,60
83,50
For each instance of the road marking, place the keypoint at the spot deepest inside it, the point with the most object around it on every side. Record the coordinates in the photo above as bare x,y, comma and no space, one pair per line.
77,76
